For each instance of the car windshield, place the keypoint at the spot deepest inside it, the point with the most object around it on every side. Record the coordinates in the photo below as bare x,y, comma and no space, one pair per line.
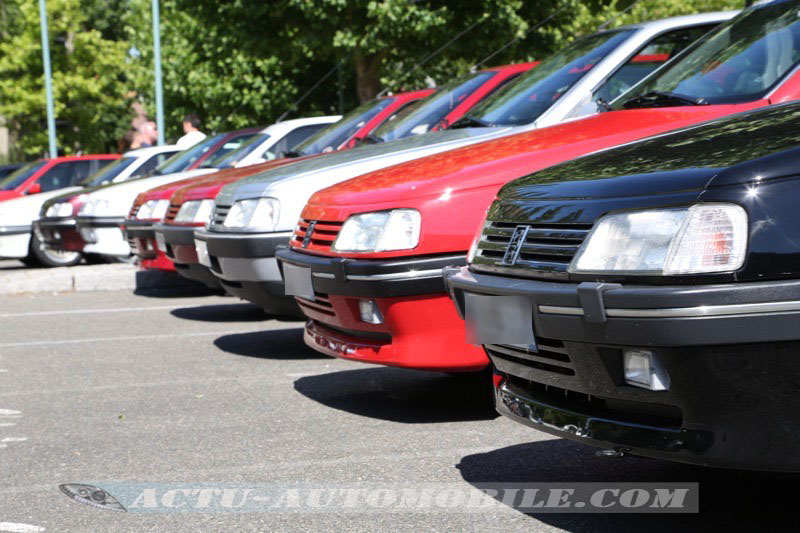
525,99
231,157
430,111
107,173
219,158
19,177
182,160
741,61
338,133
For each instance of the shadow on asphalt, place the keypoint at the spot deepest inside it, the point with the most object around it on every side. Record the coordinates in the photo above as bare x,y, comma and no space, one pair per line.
275,344
221,313
726,496
400,395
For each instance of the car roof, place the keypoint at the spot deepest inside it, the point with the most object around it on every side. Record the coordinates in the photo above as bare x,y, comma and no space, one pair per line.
288,125
683,20
151,150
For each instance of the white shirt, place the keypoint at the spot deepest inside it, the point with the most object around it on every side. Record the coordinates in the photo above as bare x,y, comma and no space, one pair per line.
190,139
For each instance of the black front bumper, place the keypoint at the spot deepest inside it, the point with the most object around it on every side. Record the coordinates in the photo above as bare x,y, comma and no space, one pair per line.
138,229
242,245
373,278
49,230
731,352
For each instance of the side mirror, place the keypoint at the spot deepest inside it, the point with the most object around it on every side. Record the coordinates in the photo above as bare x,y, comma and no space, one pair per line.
36,188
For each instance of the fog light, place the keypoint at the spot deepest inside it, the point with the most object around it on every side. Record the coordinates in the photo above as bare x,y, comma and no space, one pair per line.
643,368
370,312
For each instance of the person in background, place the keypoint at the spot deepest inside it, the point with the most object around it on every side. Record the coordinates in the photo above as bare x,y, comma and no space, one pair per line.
192,135
147,135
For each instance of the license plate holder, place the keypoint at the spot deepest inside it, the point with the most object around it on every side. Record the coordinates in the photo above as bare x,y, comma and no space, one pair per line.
161,243
202,253
298,281
500,320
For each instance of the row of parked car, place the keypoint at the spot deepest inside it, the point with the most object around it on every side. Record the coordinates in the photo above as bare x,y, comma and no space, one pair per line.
611,230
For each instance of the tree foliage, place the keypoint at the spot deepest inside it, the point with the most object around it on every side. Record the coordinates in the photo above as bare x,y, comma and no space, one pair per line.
89,81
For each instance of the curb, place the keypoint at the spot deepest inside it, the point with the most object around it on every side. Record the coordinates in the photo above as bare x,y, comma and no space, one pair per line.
87,278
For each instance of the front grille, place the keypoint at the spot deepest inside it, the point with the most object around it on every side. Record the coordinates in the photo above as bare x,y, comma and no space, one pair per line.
547,249
172,212
321,304
322,236
551,356
219,214
134,210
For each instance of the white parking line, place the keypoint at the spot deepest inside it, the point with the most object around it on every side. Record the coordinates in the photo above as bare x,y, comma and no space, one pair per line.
14,439
16,527
10,413
115,339
92,311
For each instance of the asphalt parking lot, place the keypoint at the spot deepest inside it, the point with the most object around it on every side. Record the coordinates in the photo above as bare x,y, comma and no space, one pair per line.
112,388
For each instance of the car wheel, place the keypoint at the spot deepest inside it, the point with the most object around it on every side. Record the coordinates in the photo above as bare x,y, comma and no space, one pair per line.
46,256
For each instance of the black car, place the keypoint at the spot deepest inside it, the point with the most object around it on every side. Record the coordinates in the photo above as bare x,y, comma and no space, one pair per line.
646,298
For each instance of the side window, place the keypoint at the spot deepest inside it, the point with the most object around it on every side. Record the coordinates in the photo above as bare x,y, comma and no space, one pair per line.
63,175
298,135
647,59
148,166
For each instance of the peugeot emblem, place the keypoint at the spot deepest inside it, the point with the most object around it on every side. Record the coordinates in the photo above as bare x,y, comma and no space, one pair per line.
309,231
515,245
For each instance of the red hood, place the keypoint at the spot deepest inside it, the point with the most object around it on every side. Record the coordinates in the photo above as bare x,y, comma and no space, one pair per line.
208,187
493,163
452,190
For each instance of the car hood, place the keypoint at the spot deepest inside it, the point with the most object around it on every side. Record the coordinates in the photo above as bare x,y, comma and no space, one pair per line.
748,147
208,187
120,196
493,163
24,210
346,164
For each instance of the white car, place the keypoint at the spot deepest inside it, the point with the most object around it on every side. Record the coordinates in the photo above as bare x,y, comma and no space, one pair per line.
99,219
256,214
17,239
273,141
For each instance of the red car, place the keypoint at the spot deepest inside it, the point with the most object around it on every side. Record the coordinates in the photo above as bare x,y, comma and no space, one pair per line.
45,175
366,258
178,252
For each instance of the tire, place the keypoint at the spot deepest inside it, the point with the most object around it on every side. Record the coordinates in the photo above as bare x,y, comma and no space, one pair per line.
47,257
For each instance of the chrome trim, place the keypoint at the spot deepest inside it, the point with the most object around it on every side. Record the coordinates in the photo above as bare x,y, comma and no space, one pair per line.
325,275
683,312
558,310
411,274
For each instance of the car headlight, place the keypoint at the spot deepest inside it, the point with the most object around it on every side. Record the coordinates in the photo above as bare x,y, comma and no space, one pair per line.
95,208
59,210
380,231
261,213
153,210
195,211
700,239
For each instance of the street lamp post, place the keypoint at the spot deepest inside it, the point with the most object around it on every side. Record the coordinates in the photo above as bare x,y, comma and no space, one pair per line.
157,60
48,80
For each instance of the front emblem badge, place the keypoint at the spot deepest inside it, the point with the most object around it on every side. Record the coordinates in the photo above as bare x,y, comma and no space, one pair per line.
309,231
515,245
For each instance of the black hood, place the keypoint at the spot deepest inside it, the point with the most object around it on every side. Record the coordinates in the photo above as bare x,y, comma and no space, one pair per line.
753,146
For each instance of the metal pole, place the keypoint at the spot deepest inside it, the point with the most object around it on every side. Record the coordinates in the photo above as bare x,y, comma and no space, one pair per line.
48,80
159,87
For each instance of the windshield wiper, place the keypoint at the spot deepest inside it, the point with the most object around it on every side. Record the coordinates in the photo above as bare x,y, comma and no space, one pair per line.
604,106
370,139
468,121
662,99
292,153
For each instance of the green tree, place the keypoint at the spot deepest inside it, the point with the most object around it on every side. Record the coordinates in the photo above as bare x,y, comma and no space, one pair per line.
88,78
